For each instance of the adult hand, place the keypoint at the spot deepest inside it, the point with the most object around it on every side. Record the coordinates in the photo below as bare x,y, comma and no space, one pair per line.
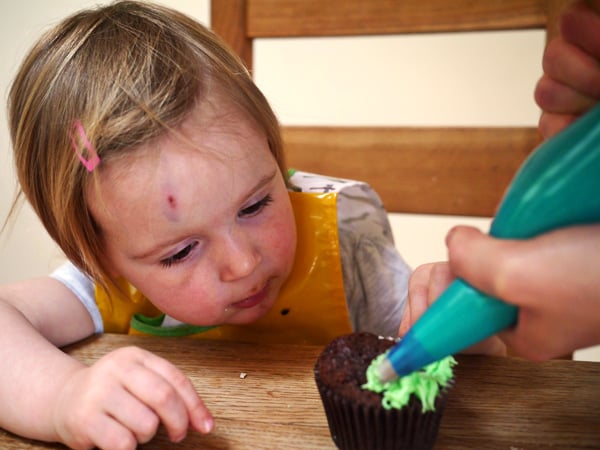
552,278
121,400
571,82
426,284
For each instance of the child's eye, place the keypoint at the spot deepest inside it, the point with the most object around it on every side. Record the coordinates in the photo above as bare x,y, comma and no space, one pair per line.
255,208
179,256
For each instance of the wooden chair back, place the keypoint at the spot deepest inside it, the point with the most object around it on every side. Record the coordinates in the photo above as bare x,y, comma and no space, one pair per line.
451,171
455,171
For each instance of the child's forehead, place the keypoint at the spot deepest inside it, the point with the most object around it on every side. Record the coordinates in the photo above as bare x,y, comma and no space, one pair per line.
222,136
215,134
210,121
215,114
172,181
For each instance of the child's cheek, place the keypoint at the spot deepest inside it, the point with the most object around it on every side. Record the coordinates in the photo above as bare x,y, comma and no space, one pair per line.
283,240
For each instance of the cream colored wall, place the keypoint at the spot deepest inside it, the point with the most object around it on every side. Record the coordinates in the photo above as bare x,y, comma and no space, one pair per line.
470,79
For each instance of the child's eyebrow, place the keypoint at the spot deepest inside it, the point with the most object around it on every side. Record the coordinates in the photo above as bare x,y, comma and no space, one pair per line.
263,181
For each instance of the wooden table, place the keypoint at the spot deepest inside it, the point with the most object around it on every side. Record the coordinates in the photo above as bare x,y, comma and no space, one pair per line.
497,403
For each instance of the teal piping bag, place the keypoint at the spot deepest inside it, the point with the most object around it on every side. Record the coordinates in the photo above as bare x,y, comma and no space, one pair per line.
558,185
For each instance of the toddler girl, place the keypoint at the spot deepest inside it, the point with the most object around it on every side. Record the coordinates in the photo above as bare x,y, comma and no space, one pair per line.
156,164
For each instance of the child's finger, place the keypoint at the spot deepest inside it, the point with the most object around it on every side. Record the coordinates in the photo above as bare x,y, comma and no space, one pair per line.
134,415
96,429
197,415
440,278
405,321
110,433
155,391
418,286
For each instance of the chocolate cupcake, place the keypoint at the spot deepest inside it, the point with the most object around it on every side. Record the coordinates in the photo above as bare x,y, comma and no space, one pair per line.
365,414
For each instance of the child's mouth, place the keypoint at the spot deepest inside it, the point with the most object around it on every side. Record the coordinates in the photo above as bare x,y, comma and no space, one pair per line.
253,300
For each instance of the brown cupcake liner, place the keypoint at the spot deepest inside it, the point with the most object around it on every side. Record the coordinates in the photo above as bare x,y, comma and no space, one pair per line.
359,427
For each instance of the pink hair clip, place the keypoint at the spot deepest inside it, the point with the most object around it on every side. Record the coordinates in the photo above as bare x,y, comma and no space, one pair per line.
92,157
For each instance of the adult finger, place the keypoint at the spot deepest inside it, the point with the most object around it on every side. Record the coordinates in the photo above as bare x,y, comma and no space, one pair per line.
486,263
580,25
492,346
555,97
525,271
593,5
551,124
570,65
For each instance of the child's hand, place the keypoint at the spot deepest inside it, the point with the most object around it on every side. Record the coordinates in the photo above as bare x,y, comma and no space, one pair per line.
121,400
425,285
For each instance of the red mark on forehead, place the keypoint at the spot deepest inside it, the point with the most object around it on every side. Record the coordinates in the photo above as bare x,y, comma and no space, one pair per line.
172,202
170,206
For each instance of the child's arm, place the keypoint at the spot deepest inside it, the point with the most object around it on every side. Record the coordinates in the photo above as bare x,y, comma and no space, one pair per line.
47,395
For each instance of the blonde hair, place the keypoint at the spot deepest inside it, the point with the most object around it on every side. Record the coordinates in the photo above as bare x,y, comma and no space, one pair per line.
129,72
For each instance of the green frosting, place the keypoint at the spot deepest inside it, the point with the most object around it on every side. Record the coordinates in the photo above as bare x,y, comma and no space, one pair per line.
424,383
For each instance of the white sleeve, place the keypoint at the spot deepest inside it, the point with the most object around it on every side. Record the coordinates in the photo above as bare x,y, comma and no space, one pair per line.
83,287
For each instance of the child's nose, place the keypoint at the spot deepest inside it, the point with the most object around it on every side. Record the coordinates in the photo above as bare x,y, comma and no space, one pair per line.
240,257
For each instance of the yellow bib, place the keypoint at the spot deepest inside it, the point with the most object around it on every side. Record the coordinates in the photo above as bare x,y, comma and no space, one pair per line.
311,307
